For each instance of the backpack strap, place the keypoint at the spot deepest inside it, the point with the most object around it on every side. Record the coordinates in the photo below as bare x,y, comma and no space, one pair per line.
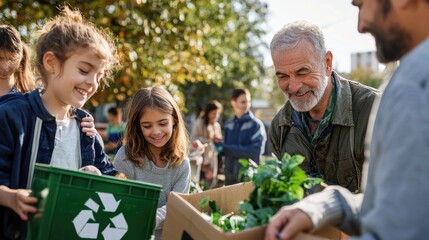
34,150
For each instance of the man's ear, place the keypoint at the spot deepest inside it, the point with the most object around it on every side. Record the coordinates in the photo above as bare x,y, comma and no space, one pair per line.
232,103
328,63
50,63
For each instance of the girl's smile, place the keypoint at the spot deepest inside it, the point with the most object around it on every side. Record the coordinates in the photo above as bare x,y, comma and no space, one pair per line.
156,127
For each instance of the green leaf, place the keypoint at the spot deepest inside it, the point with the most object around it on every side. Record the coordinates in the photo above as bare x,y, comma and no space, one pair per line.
203,202
216,216
244,162
263,173
292,161
298,176
297,191
213,207
247,170
246,207
264,214
311,182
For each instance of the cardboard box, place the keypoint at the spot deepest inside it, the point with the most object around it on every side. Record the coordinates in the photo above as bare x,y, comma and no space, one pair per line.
184,220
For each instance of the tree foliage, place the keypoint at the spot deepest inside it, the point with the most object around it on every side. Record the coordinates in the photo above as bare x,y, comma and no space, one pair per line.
366,77
216,43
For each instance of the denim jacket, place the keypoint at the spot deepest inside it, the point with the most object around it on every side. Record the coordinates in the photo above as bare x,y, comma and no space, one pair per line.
18,113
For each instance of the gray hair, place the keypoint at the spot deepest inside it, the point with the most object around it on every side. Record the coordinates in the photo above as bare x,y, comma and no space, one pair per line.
291,34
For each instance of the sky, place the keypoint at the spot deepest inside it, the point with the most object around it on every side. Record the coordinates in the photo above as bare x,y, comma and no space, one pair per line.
337,19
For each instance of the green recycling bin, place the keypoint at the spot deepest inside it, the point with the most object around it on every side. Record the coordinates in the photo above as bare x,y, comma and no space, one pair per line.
80,205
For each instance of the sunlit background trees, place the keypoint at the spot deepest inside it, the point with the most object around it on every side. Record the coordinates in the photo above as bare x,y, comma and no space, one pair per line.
198,50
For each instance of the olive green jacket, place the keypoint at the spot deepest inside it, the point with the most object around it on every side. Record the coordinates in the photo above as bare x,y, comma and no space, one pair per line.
339,156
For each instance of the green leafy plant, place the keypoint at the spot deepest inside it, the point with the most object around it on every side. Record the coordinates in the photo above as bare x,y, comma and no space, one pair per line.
277,183
229,222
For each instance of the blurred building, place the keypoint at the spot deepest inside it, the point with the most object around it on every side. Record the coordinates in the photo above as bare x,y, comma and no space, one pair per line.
365,60
263,110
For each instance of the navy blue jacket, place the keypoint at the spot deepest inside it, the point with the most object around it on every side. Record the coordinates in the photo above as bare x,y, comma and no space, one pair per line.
244,138
18,113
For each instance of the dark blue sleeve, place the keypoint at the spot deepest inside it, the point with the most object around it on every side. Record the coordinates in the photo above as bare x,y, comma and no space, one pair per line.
100,159
6,150
11,141
102,162
252,150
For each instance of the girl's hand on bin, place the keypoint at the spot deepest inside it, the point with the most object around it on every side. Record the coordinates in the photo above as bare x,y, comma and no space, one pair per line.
19,200
90,169
24,203
121,176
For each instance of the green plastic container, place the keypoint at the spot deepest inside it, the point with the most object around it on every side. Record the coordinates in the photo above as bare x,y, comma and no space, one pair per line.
79,205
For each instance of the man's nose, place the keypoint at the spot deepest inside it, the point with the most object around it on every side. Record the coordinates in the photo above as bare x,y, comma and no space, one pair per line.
294,85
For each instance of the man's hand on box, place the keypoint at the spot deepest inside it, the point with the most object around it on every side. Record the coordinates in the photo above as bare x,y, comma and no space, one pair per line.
287,223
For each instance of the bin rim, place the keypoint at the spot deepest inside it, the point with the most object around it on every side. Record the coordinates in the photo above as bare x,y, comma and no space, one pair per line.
104,178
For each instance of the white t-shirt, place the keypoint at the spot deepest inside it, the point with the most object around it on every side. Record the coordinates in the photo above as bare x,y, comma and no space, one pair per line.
66,152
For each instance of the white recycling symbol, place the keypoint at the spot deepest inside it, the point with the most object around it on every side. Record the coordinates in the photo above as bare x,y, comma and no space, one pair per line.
90,230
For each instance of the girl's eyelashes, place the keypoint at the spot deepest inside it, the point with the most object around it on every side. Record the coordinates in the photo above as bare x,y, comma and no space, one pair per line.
86,72
162,124
83,71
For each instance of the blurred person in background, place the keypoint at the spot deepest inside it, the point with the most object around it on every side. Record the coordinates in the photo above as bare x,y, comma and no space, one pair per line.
115,131
208,130
244,136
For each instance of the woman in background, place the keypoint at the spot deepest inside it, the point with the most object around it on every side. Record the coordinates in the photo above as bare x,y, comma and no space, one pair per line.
208,130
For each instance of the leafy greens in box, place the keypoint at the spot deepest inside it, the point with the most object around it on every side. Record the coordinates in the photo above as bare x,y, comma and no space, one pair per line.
277,183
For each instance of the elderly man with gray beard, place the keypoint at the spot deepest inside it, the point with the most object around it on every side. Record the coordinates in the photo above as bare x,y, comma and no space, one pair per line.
326,116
